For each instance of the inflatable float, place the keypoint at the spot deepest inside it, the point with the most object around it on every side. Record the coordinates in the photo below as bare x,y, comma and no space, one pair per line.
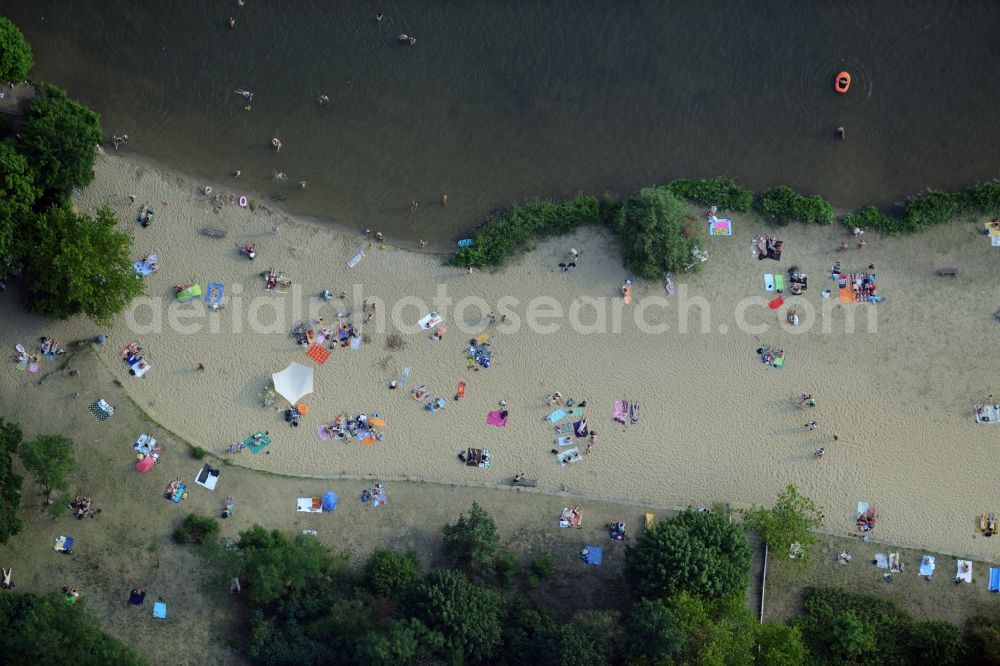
466,242
842,83
243,202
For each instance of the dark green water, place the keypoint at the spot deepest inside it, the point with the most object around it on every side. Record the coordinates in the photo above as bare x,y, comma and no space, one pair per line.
502,101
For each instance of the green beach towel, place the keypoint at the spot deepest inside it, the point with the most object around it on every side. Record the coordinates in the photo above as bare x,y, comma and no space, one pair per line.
779,283
256,446
779,362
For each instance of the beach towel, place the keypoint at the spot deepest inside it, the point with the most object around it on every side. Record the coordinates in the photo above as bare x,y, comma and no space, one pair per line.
846,295
257,442
562,428
98,410
309,505
627,294
355,344
145,464
192,292
572,414
768,282
160,610
720,227
483,338
862,510
776,303
990,414
995,241
136,597
144,268
207,477
318,354
213,294
569,456
564,441
404,377
64,544
494,419
430,321
633,412
460,391
966,575
324,432
376,422
179,493
881,561
556,416
927,566
356,260
778,362
994,579
592,555
580,428
620,411
895,563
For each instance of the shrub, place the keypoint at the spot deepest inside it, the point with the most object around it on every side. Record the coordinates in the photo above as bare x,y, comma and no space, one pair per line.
986,197
790,520
783,205
196,529
389,573
982,636
198,453
512,230
472,541
10,481
721,192
506,567
15,53
653,632
871,217
651,228
542,565
936,643
936,208
17,196
697,552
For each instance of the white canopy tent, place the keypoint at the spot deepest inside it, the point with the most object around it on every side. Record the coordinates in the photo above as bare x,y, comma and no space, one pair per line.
293,382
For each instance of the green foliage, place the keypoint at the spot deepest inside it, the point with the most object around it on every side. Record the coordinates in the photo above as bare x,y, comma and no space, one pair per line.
784,205
49,459
17,195
513,230
653,632
936,208
272,565
780,645
45,630
936,643
605,628
59,141
982,638
721,192
871,217
850,636
566,646
468,617
542,565
404,641
506,567
388,573
78,264
650,226
986,197
717,632
196,529
697,552
790,520
472,541
198,453
15,53
10,481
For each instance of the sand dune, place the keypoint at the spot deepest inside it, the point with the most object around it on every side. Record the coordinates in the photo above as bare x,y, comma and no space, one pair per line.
715,424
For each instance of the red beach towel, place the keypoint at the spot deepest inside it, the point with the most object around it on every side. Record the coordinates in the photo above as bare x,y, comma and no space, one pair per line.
776,303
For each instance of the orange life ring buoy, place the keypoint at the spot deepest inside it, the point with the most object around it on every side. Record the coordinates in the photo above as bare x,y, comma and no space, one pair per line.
842,83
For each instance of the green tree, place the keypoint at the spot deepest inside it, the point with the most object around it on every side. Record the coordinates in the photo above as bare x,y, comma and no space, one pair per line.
604,626
651,228
10,481
17,195
389,573
780,645
936,643
469,617
850,636
50,460
404,641
982,636
15,53
653,632
719,632
41,630
59,141
789,521
698,552
565,646
472,541
272,565
78,264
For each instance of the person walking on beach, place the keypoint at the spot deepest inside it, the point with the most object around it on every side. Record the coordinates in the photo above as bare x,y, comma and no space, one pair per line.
810,426
820,452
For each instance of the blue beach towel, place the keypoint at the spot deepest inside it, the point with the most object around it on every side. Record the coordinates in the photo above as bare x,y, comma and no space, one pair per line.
404,377
160,610
142,268
556,416
592,555
768,282
927,566
213,294
994,579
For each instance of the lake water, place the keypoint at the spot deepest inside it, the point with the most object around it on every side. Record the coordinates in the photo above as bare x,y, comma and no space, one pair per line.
503,101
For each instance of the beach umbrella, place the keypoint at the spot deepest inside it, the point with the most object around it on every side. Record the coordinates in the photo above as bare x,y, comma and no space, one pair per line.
293,382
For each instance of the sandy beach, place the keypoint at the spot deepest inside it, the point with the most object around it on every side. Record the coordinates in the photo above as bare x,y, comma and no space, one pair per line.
715,424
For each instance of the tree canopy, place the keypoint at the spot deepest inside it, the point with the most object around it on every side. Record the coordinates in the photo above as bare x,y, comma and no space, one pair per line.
80,264
15,53
720,631
469,617
50,460
10,482
789,521
17,196
697,552
389,573
653,632
59,141
472,541
272,564
650,226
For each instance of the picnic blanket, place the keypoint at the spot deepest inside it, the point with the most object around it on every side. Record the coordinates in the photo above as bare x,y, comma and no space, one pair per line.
927,565
318,354
257,444
570,517
356,259
213,294
207,477
145,444
620,412
494,418
592,555
64,544
102,410
309,505
569,456
160,610
963,571
145,267
990,413
881,561
720,227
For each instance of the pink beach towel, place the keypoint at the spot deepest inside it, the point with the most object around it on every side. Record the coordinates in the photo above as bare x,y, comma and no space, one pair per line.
621,411
495,419
324,432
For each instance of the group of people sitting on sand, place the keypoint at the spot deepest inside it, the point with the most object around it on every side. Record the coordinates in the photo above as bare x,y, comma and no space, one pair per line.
275,280
83,507
768,247
768,355
988,524
866,521
50,346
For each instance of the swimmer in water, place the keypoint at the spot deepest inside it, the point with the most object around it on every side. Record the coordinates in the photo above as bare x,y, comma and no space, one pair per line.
323,99
232,23
379,16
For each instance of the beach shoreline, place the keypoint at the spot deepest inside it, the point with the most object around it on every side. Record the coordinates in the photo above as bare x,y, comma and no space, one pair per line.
715,425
